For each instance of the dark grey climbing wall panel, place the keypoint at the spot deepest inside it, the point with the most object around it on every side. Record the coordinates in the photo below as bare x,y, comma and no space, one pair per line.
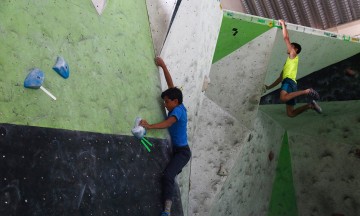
59,172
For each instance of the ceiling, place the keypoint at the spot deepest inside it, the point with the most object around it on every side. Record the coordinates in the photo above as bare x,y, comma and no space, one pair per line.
320,14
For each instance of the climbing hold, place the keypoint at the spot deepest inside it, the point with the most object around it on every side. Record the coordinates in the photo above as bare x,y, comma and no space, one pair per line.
61,67
99,5
357,153
235,30
35,79
222,171
271,155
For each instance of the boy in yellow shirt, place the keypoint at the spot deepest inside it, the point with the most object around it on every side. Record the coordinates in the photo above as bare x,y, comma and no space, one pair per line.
289,90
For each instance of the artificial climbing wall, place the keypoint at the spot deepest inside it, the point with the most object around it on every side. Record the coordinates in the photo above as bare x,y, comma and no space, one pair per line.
76,155
325,153
224,126
283,198
330,187
247,187
112,75
188,52
321,146
160,15
247,56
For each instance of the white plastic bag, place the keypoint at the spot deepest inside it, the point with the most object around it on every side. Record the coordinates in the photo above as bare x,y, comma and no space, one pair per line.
138,131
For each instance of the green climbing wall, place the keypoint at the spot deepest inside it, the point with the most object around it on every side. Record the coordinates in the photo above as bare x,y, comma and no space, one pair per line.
112,79
234,33
283,199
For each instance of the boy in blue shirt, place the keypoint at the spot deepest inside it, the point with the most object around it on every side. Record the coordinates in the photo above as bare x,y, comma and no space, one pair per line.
176,122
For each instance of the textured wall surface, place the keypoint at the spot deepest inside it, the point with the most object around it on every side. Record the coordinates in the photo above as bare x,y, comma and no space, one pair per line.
76,155
340,121
331,185
283,198
234,33
219,139
47,171
325,150
247,189
113,79
332,124
160,14
112,75
236,80
188,52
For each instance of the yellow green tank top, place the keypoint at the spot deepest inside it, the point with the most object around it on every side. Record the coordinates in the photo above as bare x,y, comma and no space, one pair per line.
290,68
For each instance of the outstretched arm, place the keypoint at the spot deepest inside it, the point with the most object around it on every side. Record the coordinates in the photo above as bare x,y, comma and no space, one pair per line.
290,48
160,62
161,125
275,83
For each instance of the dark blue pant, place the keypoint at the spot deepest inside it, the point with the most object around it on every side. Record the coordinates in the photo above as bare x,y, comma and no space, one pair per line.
180,158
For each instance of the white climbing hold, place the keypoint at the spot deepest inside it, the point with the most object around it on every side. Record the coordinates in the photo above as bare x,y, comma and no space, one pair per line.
99,5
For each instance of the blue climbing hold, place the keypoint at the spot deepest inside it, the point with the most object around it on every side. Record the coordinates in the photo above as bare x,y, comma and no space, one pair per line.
61,67
34,79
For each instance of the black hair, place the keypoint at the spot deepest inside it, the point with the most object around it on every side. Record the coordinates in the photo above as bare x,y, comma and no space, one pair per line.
298,47
172,94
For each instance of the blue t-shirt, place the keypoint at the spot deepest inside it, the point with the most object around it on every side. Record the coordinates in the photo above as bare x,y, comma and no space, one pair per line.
178,131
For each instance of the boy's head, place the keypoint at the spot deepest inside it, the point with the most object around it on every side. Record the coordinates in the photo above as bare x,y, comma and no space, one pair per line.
297,47
172,97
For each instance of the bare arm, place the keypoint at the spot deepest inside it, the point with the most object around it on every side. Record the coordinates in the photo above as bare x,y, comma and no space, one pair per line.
290,48
160,62
275,83
161,125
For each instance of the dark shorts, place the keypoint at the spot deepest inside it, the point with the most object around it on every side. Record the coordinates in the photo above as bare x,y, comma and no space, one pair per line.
289,86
